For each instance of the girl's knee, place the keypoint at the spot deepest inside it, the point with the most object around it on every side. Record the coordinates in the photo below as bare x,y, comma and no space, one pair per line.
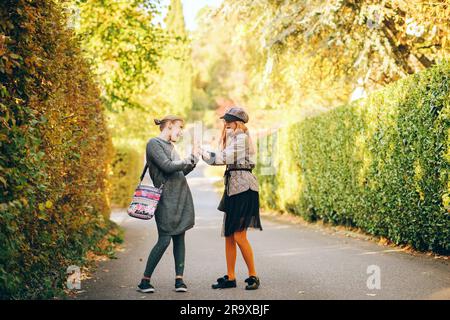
164,242
230,239
240,236
178,239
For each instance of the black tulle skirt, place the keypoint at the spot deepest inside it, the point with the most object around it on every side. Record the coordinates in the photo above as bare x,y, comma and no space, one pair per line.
241,211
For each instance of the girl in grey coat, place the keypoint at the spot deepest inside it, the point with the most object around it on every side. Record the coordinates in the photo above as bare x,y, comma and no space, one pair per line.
175,212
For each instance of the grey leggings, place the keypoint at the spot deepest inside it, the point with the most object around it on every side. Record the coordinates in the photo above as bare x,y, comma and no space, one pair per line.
159,249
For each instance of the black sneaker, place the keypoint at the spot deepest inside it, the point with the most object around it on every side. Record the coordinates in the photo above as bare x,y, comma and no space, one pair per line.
145,286
224,283
252,283
180,286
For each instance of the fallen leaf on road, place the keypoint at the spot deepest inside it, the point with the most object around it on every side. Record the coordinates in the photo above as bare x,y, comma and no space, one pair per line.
105,270
301,292
383,241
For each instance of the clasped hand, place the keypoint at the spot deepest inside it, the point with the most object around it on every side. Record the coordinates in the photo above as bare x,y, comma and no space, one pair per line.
200,151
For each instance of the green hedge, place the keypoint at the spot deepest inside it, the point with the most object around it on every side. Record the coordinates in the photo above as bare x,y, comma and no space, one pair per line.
55,151
126,170
380,163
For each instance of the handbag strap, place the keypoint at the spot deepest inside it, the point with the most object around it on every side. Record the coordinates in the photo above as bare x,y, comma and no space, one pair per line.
143,172
143,175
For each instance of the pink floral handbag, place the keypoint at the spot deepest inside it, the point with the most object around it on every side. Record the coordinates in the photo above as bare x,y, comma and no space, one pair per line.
145,200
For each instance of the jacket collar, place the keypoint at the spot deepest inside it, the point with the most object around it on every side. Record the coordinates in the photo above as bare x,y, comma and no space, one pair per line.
237,132
162,140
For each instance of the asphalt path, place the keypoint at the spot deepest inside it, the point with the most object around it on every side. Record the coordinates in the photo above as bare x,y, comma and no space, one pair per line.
294,261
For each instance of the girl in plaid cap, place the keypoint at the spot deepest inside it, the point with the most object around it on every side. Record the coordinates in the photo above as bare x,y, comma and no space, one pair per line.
240,201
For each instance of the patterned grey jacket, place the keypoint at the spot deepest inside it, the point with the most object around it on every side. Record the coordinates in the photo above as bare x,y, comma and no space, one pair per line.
237,154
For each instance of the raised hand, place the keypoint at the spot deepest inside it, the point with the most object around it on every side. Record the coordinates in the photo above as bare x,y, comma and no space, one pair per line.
196,150
204,153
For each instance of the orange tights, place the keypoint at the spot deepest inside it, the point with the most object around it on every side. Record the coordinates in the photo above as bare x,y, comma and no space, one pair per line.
239,238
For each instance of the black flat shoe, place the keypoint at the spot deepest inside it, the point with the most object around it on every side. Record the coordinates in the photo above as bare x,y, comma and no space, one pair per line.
180,286
224,283
252,283
145,286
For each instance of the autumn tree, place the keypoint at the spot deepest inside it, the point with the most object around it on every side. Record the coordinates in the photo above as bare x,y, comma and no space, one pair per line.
307,56
123,43
176,67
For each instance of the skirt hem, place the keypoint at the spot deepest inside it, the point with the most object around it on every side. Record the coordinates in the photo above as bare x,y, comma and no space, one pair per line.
241,211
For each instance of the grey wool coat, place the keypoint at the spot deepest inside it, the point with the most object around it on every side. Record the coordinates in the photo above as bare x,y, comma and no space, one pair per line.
175,212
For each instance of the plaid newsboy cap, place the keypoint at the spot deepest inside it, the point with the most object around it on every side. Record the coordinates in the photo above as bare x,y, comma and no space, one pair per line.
235,113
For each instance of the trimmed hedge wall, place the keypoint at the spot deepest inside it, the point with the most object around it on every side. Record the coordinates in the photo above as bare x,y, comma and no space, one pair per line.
381,163
126,169
55,151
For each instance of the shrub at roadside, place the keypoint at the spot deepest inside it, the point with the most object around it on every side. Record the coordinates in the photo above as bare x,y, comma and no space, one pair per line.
381,163
55,151
126,169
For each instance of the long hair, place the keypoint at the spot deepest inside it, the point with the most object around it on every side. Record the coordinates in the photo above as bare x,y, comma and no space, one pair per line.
239,125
